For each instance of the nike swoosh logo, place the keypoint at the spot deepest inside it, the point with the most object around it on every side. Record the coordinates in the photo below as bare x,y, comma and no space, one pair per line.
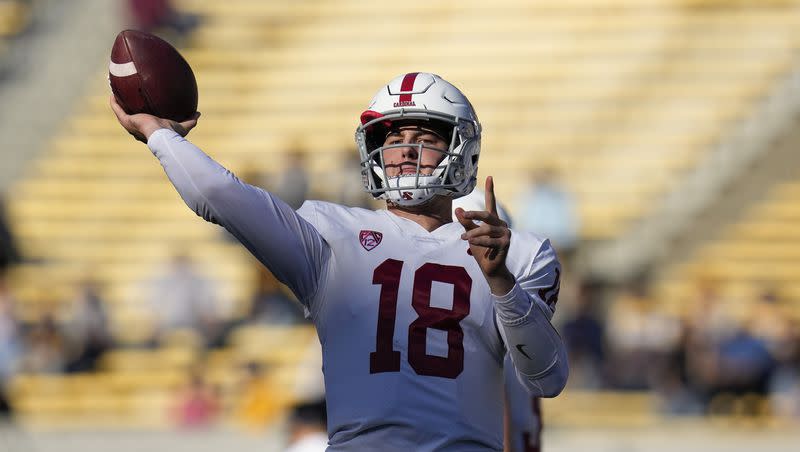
519,347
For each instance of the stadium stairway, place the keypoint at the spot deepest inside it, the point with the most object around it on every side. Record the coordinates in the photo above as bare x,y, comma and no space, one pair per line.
700,203
747,245
52,49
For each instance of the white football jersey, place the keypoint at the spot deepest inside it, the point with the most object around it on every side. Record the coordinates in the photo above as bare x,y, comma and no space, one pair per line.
411,353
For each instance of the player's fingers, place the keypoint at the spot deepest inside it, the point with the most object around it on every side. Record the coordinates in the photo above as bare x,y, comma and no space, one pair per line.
184,127
191,122
491,200
178,127
138,136
467,223
125,120
484,230
118,111
488,242
486,217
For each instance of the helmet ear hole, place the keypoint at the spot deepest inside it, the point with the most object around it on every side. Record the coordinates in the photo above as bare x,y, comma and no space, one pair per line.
457,174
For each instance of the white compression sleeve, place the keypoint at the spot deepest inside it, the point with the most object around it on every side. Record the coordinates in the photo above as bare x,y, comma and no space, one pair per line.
536,349
523,317
274,233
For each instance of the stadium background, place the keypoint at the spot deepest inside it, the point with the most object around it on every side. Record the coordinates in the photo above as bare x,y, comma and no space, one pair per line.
668,126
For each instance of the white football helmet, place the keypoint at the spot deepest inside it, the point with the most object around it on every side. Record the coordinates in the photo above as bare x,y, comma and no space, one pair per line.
428,100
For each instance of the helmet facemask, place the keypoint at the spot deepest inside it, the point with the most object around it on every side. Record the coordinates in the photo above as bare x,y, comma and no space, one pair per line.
454,175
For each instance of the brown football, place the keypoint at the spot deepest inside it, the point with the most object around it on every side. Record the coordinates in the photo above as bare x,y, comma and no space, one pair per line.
148,75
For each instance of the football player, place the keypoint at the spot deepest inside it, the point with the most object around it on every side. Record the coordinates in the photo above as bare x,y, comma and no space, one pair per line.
415,312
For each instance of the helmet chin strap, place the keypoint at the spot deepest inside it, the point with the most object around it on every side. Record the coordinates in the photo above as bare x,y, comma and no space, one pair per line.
411,190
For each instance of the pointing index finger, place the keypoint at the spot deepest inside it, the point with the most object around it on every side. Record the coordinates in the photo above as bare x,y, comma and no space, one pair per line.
491,201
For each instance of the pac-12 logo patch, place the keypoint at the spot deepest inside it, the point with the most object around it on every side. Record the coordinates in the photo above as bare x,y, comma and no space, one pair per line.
370,239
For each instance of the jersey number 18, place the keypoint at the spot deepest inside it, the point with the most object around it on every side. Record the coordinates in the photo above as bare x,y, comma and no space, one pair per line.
385,358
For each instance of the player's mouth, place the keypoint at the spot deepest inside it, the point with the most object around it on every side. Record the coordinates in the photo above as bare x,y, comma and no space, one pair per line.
409,168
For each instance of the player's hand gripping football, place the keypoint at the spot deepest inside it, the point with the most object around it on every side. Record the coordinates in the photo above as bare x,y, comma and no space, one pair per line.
142,125
489,242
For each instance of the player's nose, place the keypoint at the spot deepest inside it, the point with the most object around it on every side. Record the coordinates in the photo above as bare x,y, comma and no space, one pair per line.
410,152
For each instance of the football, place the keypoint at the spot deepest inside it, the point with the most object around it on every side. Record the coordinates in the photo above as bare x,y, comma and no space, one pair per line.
148,75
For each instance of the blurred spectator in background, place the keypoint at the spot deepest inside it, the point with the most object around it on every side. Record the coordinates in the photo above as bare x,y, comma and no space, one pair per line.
10,344
182,297
709,322
292,185
9,254
548,210
770,322
583,333
307,429
250,173
641,339
309,383
348,193
86,329
259,403
154,16
676,396
5,405
711,317
45,347
10,332
785,381
744,364
270,304
198,404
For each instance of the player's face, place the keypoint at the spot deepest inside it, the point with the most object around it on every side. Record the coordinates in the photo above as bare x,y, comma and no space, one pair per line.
403,159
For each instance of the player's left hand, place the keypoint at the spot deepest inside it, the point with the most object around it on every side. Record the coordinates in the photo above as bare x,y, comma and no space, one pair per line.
489,242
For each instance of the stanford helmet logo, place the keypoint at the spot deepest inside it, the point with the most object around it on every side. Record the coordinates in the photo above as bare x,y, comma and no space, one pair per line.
406,98
370,239
408,196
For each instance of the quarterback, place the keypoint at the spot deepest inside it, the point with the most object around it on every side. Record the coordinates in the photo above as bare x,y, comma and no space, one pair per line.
415,312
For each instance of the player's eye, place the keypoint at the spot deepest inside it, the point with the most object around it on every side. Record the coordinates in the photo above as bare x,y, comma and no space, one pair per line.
429,141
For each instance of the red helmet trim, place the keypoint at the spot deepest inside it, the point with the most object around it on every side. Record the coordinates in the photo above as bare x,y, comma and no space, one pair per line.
406,86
